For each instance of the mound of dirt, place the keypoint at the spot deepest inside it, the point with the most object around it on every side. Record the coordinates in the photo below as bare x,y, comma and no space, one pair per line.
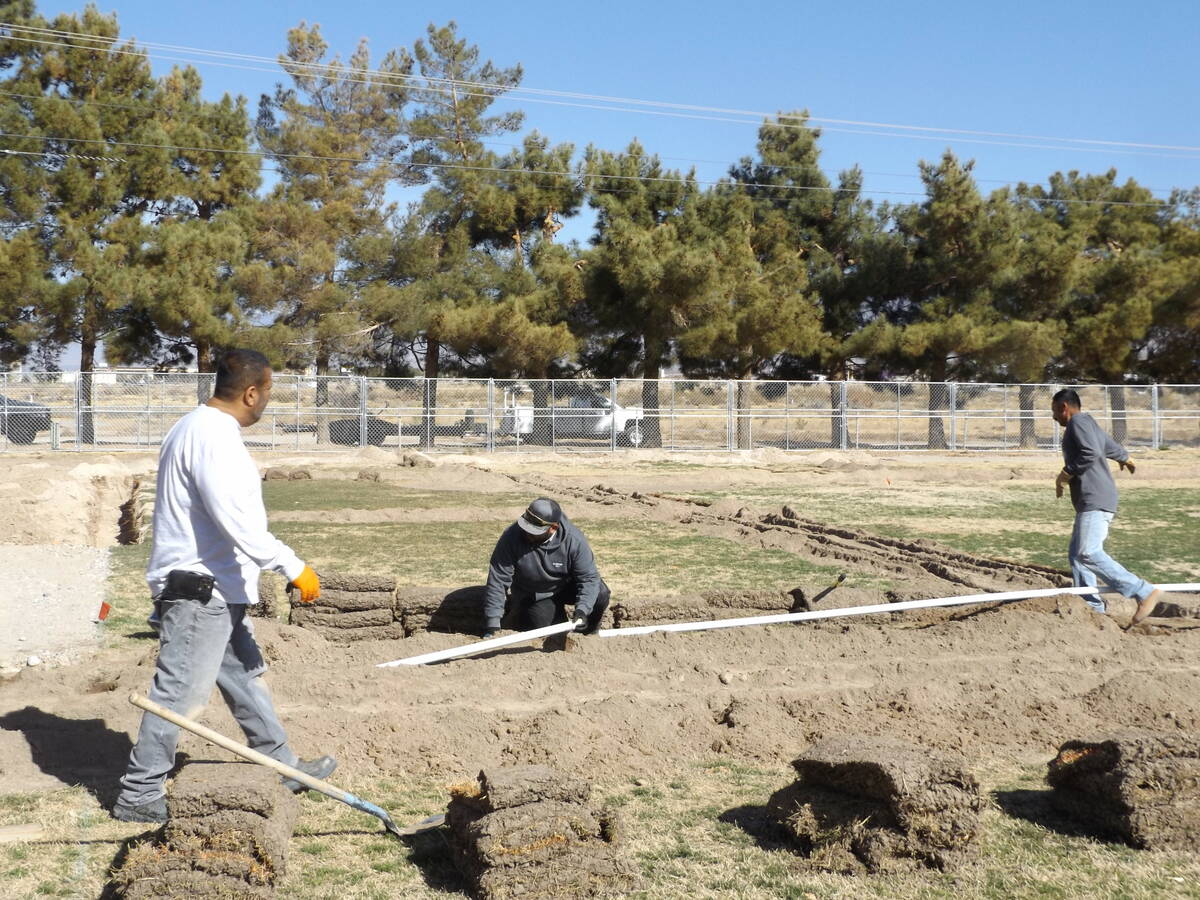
1143,788
873,804
227,836
57,500
530,832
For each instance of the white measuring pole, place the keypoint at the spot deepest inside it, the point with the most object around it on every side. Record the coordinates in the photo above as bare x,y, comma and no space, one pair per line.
480,646
962,600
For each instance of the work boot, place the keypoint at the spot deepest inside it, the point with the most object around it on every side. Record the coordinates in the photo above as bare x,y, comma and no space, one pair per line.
321,767
153,811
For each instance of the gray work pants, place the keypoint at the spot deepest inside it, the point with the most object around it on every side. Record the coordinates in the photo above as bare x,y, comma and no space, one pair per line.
202,644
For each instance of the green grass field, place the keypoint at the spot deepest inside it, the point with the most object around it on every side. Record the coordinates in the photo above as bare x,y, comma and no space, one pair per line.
1154,533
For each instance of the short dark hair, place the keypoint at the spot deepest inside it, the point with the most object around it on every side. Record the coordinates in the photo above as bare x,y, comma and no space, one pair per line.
238,370
1068,396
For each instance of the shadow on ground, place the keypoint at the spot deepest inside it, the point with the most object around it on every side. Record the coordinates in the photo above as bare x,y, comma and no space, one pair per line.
83,752
430,853
760,825
1035,806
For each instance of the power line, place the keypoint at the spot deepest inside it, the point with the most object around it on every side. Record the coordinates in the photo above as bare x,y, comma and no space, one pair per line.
332,69
1011,182
518,171
649,107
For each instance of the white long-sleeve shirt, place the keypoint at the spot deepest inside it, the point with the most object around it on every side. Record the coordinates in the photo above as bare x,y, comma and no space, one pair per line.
208,510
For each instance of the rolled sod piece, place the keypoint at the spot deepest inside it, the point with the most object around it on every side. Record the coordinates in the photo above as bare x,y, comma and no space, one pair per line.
454,610
869,804
528,831
1141,787
202,789
265,840
323,617
518,785
344,581
348,601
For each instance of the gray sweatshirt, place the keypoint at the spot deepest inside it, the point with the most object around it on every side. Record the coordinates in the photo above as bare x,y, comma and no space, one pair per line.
540,570
1087,448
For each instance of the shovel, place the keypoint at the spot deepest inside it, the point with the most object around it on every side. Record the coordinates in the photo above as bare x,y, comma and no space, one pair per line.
803,604
262,759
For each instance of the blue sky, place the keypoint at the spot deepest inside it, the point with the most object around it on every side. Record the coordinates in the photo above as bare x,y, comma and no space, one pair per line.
1096,70
1103,71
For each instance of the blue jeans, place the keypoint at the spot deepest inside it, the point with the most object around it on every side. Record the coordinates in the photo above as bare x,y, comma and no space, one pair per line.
202,645
1088,560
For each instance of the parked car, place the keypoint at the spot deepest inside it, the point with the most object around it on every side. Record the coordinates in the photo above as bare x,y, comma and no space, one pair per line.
21,420
349,431
587,415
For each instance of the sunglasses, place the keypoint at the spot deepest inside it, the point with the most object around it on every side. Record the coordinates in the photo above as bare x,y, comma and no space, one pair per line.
534,519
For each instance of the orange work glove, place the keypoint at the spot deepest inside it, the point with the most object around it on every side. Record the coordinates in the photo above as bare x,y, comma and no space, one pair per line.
308,585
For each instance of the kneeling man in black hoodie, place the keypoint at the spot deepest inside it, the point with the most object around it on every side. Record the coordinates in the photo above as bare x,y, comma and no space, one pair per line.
543,563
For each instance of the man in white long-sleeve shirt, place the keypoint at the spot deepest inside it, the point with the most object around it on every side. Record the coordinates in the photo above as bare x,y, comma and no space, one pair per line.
210,543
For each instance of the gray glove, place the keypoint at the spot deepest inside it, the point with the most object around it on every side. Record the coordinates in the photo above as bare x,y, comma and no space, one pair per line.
491,628
581,623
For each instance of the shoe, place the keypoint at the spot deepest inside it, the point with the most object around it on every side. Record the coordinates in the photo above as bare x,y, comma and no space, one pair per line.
321,767
1146,607
154,811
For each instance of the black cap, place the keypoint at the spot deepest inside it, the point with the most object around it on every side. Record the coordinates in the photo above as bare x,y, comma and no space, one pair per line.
541,514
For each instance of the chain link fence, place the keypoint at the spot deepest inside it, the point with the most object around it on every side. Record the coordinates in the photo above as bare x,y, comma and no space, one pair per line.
129,410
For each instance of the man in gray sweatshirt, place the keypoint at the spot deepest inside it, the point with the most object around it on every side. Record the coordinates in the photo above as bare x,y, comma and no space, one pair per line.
543,563
1087,448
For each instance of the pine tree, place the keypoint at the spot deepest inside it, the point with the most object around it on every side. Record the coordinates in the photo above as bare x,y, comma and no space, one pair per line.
448,131
647,281
336,138
91,168
187,303
942,323
1174,337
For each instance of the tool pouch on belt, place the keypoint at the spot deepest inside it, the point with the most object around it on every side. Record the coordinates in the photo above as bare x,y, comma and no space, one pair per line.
184,585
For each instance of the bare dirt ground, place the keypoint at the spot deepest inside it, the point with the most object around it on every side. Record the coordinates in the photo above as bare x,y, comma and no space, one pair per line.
1007,681
1003,685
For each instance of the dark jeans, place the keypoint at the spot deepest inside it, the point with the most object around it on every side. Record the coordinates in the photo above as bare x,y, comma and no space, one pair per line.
531,613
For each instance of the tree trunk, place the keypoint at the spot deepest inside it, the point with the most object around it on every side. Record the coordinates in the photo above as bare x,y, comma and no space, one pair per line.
837,415
322,398
939,400
542,430
433,361
204,365
745,434
1116,407
87,363
1028,425
651,425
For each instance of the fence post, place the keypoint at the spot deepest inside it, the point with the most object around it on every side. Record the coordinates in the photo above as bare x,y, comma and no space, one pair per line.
363,439
612,406
672,441
1155,433
730,425
843,410
1055,434
78,417
491,415
952,401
